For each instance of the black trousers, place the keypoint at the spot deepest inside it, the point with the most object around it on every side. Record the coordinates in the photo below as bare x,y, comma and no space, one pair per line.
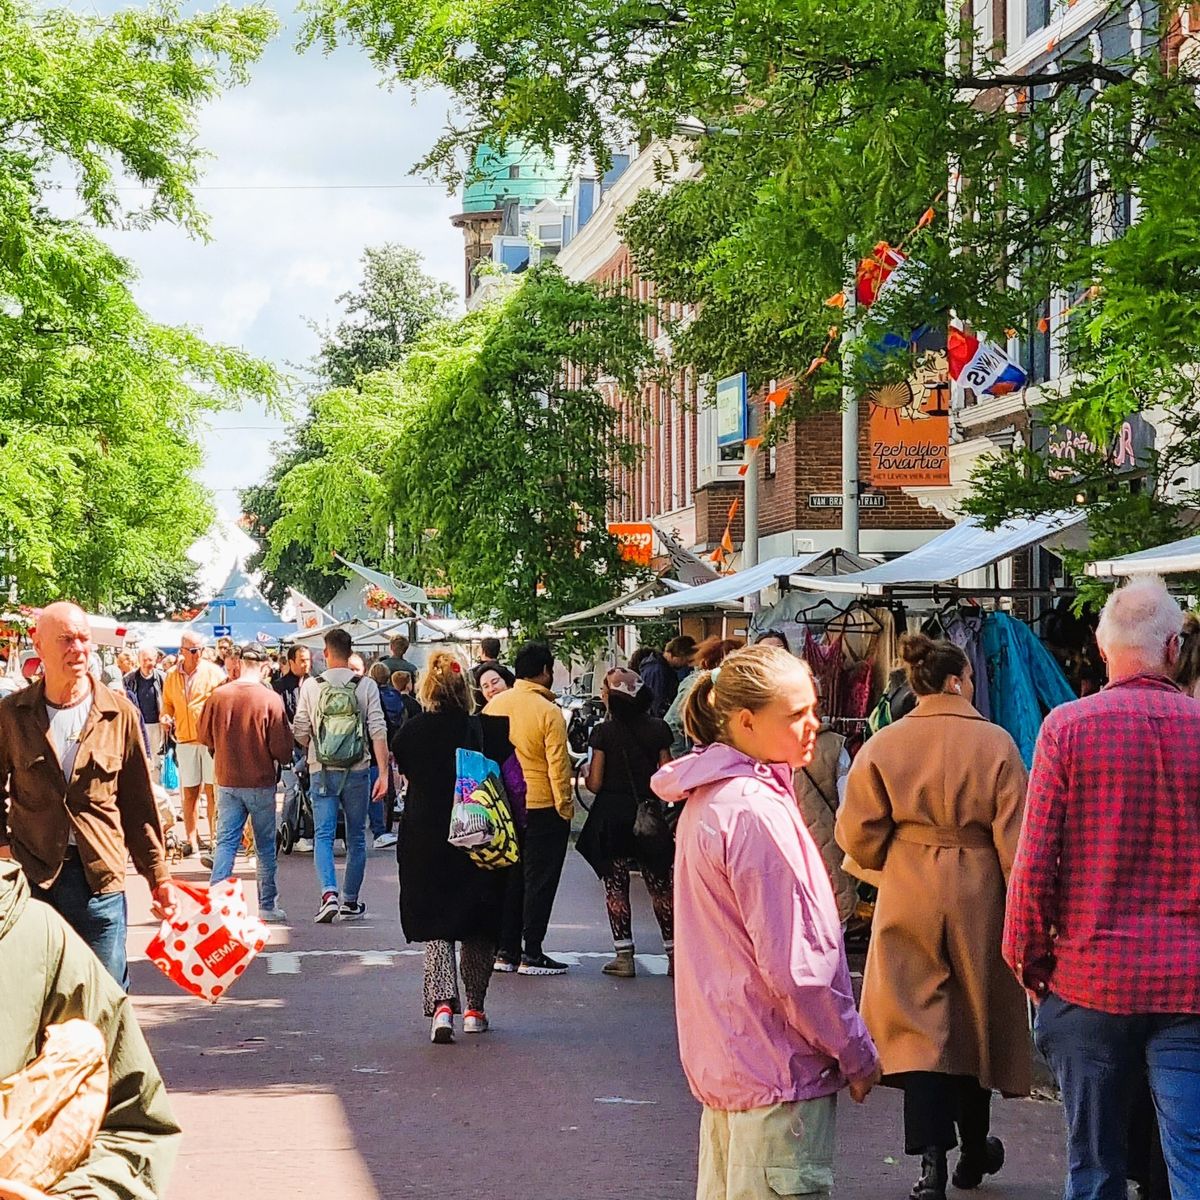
935,1104
512,925
547,836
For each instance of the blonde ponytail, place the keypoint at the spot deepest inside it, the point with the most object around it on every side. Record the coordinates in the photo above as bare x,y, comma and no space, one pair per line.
748,678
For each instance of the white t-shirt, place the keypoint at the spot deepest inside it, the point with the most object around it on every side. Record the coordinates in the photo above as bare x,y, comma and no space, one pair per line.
66,724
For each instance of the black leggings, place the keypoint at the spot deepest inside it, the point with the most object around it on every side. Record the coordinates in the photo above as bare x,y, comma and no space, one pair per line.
616,899
934,1104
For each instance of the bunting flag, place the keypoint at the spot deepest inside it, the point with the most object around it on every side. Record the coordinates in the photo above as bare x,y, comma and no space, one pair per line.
873,273
981,366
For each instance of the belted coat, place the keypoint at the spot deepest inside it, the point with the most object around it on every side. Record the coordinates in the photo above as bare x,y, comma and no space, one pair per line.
935,803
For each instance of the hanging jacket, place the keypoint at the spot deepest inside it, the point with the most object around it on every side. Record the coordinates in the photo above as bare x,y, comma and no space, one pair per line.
1025,680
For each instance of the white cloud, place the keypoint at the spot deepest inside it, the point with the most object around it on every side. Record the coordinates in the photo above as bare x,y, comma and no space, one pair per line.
277,257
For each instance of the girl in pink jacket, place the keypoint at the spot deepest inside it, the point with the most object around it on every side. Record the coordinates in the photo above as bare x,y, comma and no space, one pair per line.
768,1030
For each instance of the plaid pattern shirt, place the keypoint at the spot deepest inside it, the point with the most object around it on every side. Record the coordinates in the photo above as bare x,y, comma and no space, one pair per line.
1104,898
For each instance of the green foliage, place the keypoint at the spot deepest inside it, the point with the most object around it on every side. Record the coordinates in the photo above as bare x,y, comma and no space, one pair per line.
100,407
825,127
393,304
396,300
477,462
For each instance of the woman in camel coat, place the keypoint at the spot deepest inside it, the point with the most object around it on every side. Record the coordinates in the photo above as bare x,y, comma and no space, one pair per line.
935,802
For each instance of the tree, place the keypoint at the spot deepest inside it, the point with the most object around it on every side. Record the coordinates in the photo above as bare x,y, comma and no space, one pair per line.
478,461
388,310
100,407
823,129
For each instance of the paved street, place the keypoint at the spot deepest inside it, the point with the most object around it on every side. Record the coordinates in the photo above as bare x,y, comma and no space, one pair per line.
316,1078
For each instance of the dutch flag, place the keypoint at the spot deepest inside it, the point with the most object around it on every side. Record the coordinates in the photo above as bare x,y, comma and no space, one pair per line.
981,366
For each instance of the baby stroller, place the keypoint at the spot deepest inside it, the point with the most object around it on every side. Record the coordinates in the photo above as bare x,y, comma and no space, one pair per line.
300,824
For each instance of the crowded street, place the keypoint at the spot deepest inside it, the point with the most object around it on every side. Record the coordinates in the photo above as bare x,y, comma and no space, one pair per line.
318,1076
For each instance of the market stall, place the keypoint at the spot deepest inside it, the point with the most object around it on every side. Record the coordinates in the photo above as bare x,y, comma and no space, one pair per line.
1174,558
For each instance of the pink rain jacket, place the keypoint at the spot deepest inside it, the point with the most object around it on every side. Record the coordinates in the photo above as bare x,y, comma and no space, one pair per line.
762,989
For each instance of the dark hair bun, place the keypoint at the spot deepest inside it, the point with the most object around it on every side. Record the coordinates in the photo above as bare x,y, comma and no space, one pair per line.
915,648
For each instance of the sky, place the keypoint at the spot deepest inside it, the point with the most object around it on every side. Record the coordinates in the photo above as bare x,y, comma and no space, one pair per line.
305,127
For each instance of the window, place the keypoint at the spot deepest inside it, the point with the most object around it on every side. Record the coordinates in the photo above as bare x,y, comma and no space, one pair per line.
514,172
1037,15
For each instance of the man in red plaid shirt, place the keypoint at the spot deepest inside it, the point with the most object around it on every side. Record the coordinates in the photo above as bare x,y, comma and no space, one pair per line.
1104,901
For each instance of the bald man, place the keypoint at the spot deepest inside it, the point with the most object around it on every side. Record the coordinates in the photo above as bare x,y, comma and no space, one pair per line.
75,794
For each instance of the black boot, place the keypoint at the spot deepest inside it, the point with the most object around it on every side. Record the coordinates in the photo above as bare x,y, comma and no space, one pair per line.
932,1184
976,1162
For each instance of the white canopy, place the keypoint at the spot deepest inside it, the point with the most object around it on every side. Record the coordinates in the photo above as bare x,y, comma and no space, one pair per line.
729,589
966,547
620,602
363,635
1175,558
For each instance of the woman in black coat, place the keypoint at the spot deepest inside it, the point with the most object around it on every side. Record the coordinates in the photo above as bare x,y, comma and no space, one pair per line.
444,897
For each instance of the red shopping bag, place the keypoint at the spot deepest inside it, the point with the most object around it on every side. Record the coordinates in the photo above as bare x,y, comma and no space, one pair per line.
210,941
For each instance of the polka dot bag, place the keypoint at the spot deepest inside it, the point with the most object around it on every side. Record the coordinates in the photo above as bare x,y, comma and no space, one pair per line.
211,940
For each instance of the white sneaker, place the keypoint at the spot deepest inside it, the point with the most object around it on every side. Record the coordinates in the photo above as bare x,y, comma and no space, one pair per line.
384,840
475,1022
339,849
303,846
442,1031
273,916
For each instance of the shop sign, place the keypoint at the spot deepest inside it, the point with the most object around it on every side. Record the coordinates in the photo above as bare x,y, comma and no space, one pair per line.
835,500
910,427
1130,449
635,539
732,410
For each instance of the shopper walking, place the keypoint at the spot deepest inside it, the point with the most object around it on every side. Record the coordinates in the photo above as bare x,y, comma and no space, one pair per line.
539,732
709,655
340,720
935,804
1103,925
74,819
287,687
445,899
144,686
768,1031
397,660
186,690
245,727
627,749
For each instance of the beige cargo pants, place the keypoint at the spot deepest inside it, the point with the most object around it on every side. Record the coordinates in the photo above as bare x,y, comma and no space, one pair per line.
781,1150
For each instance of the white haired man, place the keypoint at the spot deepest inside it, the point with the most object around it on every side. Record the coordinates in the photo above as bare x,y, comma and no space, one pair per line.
186,690
1103,924
144,686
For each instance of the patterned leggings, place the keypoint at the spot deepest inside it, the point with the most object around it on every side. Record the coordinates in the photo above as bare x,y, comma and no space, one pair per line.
616,897
441,975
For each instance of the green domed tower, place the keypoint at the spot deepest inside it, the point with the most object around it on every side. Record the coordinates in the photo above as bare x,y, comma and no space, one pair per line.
521,174
502,186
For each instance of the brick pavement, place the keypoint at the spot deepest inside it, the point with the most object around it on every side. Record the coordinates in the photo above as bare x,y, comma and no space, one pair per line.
315,1076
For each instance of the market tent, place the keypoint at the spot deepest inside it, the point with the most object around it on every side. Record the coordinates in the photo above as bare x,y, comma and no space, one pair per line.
246,611
728,590
405,593
611,606
1175,558
966,547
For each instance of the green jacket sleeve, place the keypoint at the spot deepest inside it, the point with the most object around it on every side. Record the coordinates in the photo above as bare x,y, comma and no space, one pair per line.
136,1146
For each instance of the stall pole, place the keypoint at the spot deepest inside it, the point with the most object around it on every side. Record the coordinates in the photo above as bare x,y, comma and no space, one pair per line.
850,486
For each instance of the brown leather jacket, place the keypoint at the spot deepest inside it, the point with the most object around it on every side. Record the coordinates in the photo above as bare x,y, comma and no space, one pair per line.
109,801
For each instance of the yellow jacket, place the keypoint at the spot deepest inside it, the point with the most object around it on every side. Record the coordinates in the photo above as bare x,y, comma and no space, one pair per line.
184,706
538,732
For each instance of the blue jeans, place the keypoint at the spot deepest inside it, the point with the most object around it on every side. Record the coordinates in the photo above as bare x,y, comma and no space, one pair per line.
353,801
1098,1059
234,805
100,919
377,809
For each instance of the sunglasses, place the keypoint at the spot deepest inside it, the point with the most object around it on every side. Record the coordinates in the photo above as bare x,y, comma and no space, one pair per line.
190,650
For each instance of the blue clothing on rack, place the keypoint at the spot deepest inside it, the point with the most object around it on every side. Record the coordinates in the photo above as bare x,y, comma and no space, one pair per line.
1026,680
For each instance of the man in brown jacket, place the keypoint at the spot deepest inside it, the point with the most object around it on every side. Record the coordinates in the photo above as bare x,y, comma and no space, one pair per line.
245,727
75,793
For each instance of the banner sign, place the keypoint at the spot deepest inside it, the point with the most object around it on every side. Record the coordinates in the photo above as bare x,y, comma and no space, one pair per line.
910,427
636,539
732,412
1131,448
